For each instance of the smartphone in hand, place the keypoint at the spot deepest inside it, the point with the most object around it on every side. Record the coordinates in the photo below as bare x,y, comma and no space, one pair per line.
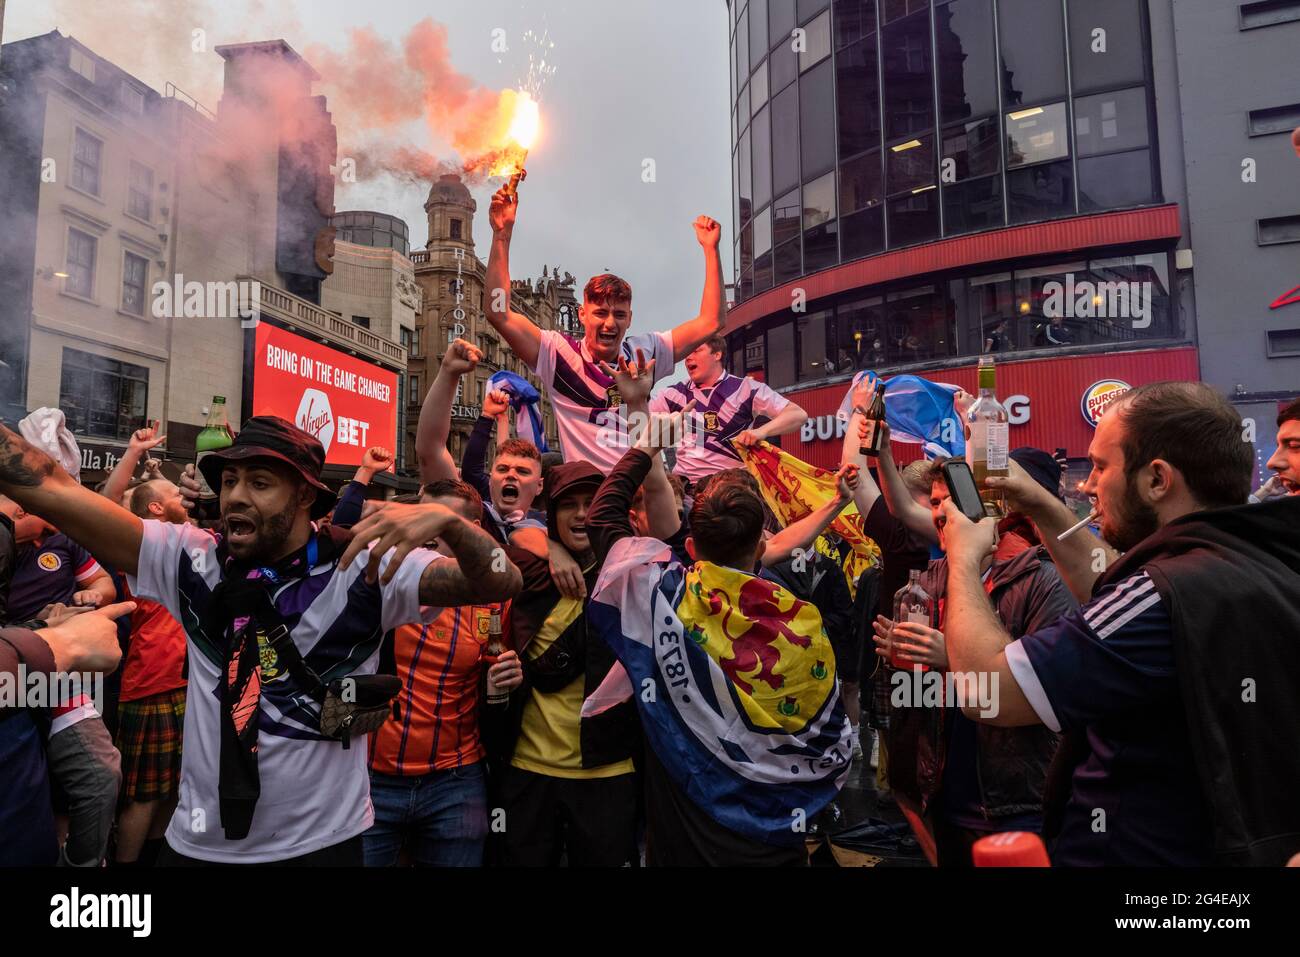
961,486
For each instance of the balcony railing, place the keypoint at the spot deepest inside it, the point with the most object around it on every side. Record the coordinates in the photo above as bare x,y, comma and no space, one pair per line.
308,317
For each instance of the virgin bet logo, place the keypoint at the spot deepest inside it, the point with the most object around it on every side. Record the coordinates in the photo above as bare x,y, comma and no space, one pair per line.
315,417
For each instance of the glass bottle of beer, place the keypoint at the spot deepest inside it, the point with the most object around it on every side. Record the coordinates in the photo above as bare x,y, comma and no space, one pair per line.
213,436
495,647
989,442
911,603
875,418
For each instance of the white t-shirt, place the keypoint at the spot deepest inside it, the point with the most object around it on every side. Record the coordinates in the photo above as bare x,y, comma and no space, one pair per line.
588,410
720,414
313,792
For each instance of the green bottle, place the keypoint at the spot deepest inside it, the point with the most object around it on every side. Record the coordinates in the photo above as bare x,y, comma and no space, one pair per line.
215,435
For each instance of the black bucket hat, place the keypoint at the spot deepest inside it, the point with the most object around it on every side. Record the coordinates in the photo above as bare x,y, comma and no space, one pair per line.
271,437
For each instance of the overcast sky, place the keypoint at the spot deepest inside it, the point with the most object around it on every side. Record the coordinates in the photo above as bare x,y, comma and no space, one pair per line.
635,79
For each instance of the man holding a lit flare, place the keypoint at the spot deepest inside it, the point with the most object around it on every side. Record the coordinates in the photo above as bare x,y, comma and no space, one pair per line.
586,401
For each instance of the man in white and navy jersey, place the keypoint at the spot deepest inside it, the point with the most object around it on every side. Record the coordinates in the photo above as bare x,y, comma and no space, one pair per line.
726,408
272,611
1173,677
588,409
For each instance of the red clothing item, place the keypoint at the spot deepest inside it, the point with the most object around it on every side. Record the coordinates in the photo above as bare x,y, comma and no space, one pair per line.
155,659
436,722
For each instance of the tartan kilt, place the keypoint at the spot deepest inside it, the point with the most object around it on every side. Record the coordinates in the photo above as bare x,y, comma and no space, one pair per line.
149,739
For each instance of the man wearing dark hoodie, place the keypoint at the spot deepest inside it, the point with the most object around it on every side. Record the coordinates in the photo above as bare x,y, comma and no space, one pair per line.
565,782
959,781
1175,682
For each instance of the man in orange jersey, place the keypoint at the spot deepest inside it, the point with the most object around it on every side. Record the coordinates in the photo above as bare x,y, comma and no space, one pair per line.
427,781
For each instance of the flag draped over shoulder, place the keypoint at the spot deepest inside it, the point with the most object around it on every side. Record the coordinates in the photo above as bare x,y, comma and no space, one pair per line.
735,681
918,411
792,489
523,397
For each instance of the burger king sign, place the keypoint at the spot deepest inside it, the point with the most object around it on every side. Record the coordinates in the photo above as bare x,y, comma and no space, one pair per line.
1098,396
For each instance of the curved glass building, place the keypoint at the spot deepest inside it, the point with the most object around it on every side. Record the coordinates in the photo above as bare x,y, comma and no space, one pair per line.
919,182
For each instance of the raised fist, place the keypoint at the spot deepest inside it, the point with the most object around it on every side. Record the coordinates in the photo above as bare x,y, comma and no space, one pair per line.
708,232
461,357
495,403
378,458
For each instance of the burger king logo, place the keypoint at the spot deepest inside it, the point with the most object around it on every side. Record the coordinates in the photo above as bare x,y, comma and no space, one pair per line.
49,561
1098,396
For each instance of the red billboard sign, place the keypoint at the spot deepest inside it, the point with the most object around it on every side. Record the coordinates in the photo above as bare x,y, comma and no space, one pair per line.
347,403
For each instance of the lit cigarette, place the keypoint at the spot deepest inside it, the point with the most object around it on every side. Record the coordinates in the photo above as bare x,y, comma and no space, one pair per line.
1074,528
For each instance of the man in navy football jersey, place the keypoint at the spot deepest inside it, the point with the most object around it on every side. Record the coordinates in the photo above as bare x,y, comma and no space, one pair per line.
1175,674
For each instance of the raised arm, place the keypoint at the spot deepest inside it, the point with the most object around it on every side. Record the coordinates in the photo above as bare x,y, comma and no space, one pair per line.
788,418
434,424
33,480
905,508
866,492
713,309
480,573
1082,557
974,638
634,384
522,336
141,441
799,535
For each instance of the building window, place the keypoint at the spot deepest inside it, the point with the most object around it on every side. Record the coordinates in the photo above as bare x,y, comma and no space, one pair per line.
763,250
762,159
456,229
1266,13
415,390
362,321
784,63
135,280
87,153
1111,134
1106,44
81,263
1036,135
785,140
742,50
413,346
909,84
860,334
102,396
758,29
746,180
82,64
139,196
816,347
854,19
132,99
967,69
781,355
1033,51
817,120
858,93
758,87
820,228
817,42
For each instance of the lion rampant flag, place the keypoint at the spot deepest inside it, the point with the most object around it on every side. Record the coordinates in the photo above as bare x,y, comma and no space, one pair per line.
792,489
735,681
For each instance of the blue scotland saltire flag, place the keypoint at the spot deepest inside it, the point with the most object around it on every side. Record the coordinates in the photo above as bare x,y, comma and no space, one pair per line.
522,396
735,682
916,410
